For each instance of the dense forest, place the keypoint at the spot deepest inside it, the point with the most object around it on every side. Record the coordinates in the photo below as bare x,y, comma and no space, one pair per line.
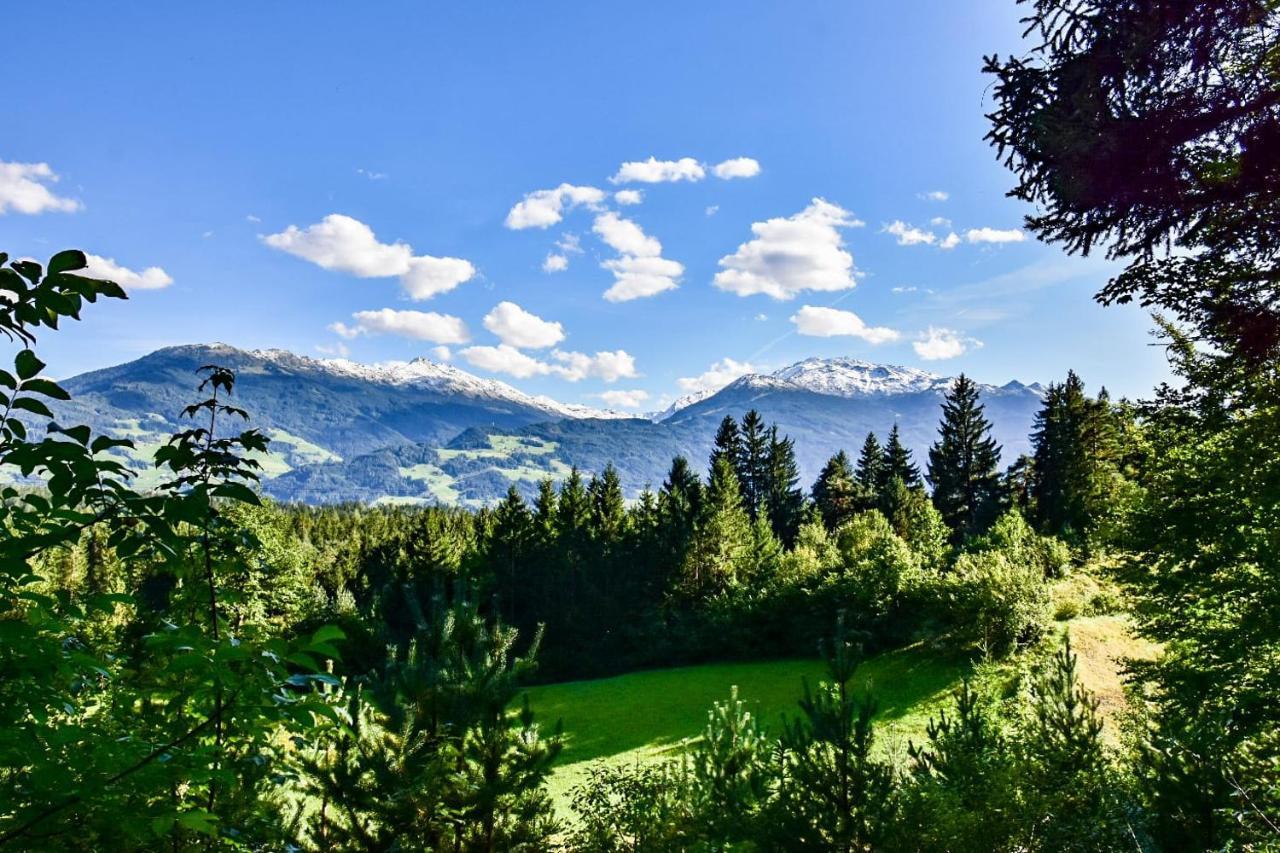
193,666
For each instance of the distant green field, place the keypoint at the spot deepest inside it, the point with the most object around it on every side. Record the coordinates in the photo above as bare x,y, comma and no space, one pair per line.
651,715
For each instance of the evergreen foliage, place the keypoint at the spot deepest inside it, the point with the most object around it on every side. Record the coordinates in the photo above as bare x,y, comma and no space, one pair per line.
962,463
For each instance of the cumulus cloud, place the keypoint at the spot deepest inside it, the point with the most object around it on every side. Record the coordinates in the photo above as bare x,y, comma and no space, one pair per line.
940,222
655,171
442,353
909,235
625,236
558,261
505,359
418,325
950,241
738,167
628,196
344,244
935,195
151,278
555,263
544,208
517,327
937,344
822,322
572,366
337,349
793,254
636,278
640,270
994,235
715,377
625,399
23,189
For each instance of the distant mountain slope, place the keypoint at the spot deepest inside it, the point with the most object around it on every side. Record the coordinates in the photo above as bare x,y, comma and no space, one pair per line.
825,405
315,410
429,432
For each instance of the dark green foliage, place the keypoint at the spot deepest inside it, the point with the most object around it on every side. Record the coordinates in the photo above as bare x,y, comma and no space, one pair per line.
871,473
835,493
898,463
431,757
1135,126
962,463
783,498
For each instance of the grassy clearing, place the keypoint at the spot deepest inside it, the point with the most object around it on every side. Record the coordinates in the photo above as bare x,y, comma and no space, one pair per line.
649,716
502,447
302,451
438,482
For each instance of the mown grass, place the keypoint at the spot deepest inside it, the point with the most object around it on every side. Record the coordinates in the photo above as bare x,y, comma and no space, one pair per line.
654,715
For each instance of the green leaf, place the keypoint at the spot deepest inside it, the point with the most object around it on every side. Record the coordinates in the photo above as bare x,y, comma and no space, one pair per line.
71,259
27,364
328,633
47,387
34,406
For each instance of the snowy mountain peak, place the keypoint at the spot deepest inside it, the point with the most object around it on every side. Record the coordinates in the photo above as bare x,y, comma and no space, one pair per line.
850,377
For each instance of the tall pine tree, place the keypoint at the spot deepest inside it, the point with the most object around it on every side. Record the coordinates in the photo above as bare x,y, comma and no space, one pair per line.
835,492
870,473
753,464
898,462
962,463
783,499
728,444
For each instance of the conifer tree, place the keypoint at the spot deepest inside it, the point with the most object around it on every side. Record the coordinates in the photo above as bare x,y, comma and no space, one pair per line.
870,474
753,465
962,463
509,542
722,542
728,444
783,499
608,508
898,462
835,492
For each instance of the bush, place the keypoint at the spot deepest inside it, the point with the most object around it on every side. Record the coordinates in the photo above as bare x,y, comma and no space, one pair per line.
998,601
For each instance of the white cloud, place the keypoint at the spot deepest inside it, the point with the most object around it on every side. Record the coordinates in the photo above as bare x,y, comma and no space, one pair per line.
249,217
715,377
418,325
655,171
935,195
344,244
517,327
338,348
738,167
609,366
791,255
442,353
151,278
373,176
762,317
640,270
911,289
544,208
555,263
625,399
505,359
909,235
938,343
994,235
572,366
628,196
821,322
23,190
950,241
636,278
712,210
569,244
940,222
625,236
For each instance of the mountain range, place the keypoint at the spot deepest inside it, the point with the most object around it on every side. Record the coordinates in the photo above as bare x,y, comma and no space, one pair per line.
423,431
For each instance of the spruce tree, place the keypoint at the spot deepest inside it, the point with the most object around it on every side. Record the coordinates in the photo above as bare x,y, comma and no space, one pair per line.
753,464
898,462
783,499
608,507
870,473
962,463
835,493
723,540
728,444
509,542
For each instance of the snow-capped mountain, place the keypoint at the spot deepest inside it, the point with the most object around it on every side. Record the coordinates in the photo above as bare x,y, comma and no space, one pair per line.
425,430
427,374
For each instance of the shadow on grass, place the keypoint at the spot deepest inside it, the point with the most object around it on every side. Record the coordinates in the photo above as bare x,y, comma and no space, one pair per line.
660,711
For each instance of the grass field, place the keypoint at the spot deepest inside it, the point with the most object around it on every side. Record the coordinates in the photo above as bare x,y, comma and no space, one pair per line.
648,716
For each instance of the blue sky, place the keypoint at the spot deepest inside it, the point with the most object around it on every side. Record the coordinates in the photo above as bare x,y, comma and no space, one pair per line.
292,170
